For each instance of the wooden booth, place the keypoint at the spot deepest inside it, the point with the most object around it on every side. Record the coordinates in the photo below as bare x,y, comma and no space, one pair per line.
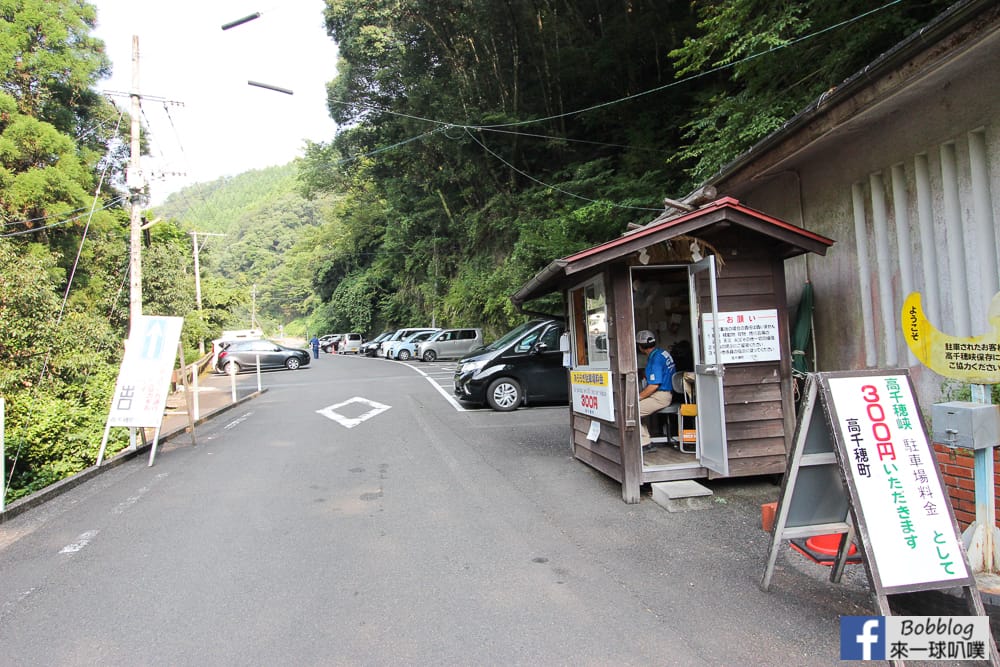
711,274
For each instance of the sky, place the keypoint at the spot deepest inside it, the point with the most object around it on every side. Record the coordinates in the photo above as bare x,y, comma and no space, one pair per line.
225,126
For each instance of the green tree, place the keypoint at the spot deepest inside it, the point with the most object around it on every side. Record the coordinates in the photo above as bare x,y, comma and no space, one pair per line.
773,59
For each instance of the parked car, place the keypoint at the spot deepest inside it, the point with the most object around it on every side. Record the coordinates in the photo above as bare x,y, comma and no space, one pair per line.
228,337
406,349
397,336
326,342
523,366
450,344
243,354
370,348
351,343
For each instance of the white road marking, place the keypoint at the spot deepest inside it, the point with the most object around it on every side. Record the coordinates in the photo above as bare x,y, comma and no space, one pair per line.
330,412
434,383
237,421
80,543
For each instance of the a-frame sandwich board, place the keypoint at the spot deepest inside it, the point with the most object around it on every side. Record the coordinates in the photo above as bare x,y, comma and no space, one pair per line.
868,465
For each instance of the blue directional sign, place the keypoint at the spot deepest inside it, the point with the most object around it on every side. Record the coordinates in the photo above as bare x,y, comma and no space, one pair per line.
152,342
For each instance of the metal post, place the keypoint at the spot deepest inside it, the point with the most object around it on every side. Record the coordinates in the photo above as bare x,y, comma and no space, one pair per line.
197,285
187,389
981,538
194,397
258,374
104,443
232,379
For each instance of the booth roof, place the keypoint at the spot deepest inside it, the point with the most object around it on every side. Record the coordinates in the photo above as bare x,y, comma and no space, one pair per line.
793,240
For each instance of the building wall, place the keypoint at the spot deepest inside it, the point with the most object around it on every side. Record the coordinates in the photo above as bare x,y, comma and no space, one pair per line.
910,191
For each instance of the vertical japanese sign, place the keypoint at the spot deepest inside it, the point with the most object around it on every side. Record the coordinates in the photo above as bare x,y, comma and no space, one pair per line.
144,379
910,530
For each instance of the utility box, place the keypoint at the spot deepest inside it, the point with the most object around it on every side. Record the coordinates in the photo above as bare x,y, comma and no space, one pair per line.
965,424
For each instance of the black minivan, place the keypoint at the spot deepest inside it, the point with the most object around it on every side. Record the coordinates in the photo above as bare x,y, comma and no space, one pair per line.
522,366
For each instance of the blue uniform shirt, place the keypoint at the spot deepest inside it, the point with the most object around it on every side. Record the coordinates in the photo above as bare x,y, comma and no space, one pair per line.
660,369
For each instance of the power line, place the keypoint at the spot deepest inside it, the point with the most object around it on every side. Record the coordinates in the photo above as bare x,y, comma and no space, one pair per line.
90,212
553,187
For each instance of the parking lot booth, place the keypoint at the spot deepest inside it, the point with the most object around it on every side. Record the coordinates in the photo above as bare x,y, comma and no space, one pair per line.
714,273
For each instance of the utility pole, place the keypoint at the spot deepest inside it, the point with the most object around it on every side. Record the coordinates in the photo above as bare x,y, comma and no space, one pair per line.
253,311
197,278
133,180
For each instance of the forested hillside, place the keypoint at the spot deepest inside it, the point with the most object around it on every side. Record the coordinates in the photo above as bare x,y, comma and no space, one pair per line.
484,139
479,140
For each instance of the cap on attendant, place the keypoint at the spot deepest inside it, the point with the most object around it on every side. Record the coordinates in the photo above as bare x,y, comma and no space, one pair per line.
645,337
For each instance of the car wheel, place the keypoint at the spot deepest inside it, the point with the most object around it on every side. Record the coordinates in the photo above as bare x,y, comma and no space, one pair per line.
235,367
504,395
291,363
403,355
430,355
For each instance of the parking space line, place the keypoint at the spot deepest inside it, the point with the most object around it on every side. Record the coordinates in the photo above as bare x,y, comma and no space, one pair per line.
434,383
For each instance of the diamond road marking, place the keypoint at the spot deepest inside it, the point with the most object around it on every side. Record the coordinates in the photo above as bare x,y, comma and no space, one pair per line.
330,412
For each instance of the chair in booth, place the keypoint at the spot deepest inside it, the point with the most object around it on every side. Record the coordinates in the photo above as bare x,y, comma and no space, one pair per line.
677,384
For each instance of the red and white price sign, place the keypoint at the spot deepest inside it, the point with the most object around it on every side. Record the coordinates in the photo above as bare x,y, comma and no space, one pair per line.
892,468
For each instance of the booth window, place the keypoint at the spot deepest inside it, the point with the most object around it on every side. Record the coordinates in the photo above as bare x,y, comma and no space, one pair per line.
590,325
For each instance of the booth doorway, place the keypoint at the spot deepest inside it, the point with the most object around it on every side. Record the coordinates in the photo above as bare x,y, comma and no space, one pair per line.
672,301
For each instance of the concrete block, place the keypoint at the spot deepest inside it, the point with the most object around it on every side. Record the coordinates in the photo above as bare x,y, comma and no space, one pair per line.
682,496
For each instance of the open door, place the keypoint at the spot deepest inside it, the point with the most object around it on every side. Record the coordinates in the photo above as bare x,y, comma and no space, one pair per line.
713,450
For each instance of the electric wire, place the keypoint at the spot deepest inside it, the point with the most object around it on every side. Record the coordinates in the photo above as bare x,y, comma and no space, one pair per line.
693,77
627,98
43,217
90,212
556,188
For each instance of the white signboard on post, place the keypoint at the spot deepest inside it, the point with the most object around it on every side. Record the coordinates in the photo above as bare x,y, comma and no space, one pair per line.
592,394
747,335
906,514
144,379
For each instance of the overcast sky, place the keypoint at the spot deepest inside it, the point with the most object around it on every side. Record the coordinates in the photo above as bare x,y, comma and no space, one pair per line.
225,126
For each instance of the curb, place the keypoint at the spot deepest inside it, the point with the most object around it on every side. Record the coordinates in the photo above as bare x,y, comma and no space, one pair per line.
22,505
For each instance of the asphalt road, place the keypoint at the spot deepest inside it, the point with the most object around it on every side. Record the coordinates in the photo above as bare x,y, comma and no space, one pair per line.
412,534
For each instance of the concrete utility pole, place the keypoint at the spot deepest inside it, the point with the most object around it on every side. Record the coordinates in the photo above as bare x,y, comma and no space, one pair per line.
134,182
253,311
197,277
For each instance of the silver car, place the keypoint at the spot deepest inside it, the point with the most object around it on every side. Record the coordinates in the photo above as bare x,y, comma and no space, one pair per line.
450,344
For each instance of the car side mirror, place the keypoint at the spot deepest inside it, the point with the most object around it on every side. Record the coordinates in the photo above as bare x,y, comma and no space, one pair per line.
539,347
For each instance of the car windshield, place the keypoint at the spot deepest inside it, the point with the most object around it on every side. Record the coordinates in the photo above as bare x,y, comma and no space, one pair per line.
420,335
512,335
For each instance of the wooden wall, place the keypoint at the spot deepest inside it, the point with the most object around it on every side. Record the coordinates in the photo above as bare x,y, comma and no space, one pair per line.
760,407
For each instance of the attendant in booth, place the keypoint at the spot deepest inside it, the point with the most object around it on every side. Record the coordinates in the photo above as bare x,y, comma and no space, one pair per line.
657,394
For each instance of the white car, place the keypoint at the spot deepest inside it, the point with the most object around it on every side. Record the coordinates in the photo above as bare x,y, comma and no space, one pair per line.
351,343
406,349
450,344
391,344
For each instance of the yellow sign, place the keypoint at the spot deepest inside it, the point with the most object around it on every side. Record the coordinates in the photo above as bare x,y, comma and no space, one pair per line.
595,378
975,360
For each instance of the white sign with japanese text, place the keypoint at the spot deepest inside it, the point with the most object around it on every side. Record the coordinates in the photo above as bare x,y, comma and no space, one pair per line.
898,488
144,379
592,394
747,335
